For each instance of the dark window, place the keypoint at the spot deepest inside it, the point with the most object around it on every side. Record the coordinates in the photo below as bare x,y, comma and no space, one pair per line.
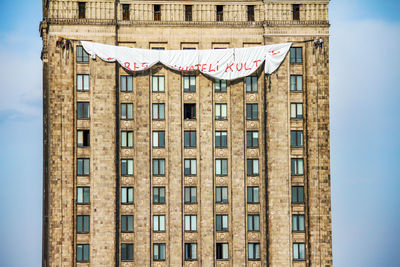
190,138
299,251
126,139
220,112
221,139
126,167
189,111
159,195
296,83
127,252
251,84
220,13
83,110
297,194
83,195
222,251
297,166
82,252
190,251
221,194
298,223
158,167
82,224
157,12
159,223
296,110
190,194
296,55
81,55
189,83
127,223
251,111
254,251
253,194
296,12
126,195
158,111
125,12
296,138
252,139
190,167
221,167
252,167
253,223
126,83
83,139
158,139
190,223
220,86
159,252
188,13
82,10
221,223
158,48
126,111
82,82
158,83
250,13
83,166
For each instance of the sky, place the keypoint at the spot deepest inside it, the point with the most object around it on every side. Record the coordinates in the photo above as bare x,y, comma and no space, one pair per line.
365,143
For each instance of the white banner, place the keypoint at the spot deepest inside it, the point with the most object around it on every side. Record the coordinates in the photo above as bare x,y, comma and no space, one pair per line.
223,64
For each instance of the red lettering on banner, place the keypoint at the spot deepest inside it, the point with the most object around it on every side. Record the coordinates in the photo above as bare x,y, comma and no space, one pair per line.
191,68
108,59
145,65
210,69
256,61
203,67
275,53
245,67
135,67
229,66
241,66
127,65
197,66
180,68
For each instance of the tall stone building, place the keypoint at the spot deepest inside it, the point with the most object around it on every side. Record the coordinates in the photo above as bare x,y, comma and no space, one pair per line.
163,168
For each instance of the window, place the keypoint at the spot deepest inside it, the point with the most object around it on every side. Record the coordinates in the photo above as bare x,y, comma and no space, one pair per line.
296,12
190,138
158,167
253,194
251,111
190,167
220,86
158,48
296,110
189,83
190,223
82,10
158,83
221,139
127,252
252,139
252,167
296,55
126,139
250,13
81,55
159,223
126,111
254,251
83,167
126,195
299,251
83,195
159,195
190,251
189,111
82,252
126,167
127,223
188,13
82,82
158,139
253,223
83,138
126,83
82,224
222,251
298,223
297,194
220,13
221,167
296,138
251,84
158,112
297,166
159,252
190,194
220,112
83,110
125,12
221,223
157,12
296,83
221,194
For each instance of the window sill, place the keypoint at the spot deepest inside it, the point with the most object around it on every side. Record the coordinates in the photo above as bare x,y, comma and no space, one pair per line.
83,175
83,203
127,203
130,232
191,203
158,203
127,260
126,175
254,259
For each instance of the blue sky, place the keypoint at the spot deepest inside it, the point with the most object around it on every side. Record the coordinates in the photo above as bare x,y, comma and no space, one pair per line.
365,126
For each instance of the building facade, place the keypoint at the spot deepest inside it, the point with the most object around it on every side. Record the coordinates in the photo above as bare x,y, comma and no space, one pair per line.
163,168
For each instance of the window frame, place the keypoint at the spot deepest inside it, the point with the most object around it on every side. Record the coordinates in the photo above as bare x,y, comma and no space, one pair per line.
160,247
85,162
126,83
127,246
83,57
294,83
157,12
85,136
125,220
126,14
82,82
219,107
127,190
83,248
188,12
251,141
126,139
156,82
220,195
189,79
255,246
83,107
221,219
251,84
253,190
158,200
296,11
222,245
128,163
157,162
251,223
158,136
296,221
85,224
294,57
192,111
294,110
251,112
219,139
295,192
128,114
219,13
81,10
190,190
189,250
87,193
297,246
158,117
221,162
295,169
192,225
251,169
296,138
190,135
250,13
222,84
159,228
190,167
